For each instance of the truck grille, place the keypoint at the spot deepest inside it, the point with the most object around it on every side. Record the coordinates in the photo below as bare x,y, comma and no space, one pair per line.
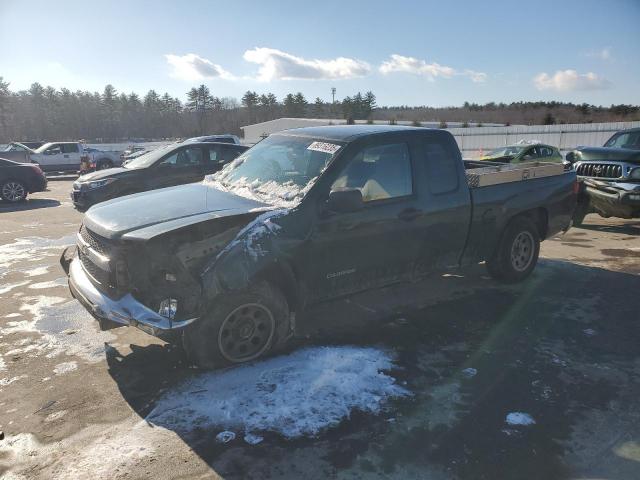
96,242
599,170
100,245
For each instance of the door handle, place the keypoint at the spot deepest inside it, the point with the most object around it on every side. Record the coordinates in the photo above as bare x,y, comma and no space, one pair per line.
409,214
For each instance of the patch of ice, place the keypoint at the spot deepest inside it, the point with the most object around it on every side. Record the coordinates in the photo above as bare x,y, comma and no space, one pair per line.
35,272
225,437
3,365
469,372
519,418
13,315
8,287
58,282
65,367
8,381
253,439
296,395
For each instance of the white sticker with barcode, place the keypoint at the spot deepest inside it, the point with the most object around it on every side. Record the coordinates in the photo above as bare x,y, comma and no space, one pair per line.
324,147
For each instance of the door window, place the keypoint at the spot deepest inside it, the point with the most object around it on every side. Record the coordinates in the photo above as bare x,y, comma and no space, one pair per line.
53,150
69,148
380,173
546,152
185,157
215,154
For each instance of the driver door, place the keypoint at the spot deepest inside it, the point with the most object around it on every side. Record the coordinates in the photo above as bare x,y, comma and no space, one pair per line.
52,159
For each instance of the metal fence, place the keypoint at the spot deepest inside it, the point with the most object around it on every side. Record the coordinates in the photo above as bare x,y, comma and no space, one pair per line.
475,141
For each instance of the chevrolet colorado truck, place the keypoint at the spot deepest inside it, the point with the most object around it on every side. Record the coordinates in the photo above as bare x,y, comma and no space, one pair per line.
610,177
227,266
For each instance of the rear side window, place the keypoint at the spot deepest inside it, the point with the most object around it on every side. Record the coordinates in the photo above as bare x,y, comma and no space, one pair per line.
442,169
546,152
69,148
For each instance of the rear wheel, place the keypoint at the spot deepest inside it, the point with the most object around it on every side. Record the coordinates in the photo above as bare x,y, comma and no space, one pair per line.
13,191
581,211
104,164
241,327
517,252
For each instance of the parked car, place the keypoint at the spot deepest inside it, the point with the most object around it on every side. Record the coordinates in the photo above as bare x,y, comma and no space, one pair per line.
306,216
132,150
174,164
610,177
138,153
17,180
226,138
17,147
100,159
523,152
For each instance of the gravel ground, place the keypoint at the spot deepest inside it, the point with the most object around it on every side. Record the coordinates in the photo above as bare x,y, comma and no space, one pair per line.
457,377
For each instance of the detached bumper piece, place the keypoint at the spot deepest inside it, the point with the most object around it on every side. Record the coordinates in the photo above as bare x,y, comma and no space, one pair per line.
124,311
615,199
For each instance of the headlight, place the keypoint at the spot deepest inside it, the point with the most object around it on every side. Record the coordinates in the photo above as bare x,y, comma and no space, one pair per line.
100,183
635,174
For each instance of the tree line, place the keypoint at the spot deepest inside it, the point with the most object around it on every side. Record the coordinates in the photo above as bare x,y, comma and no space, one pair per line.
47,113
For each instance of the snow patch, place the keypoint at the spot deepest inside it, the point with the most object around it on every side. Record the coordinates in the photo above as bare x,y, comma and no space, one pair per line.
520,418
296,395
58,282
8,287
3,365
31,249
225,437
469,372
36,272
8,381
65,367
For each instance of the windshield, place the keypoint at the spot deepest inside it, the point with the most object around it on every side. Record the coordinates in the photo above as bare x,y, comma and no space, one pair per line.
505,151
624,140
148,158
279,170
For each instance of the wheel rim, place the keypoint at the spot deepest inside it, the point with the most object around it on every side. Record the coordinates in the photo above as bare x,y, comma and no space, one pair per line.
13,191
522,251
104,166
246,333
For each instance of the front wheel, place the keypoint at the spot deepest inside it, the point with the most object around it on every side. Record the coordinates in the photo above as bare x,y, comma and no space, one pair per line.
103,165
517,252
13,191
241,327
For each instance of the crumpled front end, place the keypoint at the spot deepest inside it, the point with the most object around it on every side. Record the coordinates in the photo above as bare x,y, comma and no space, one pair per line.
613,199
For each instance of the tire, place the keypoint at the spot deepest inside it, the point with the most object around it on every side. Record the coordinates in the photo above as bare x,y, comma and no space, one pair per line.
579,213
104,164
13,191
241,327
517,252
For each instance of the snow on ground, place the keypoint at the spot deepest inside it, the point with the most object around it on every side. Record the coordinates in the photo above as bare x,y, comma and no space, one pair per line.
58,282
35,272
296,395
65,327
8,287
65,367
519,418
31,249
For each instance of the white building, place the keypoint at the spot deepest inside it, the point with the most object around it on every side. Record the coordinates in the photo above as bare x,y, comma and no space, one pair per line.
473,141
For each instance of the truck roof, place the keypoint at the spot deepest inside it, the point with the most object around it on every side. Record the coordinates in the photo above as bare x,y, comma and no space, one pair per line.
349,132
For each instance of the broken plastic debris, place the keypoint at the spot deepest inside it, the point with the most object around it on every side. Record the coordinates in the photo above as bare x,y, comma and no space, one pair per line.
253,439
469,372
520,418
225,437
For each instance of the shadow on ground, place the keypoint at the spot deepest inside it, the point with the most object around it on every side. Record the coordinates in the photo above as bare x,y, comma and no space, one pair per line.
472,353
29,204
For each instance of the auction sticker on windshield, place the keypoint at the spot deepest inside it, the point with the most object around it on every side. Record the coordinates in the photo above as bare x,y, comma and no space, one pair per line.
324,147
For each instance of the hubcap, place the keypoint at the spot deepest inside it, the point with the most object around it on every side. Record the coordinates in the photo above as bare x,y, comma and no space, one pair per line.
13,191
246,333
522,251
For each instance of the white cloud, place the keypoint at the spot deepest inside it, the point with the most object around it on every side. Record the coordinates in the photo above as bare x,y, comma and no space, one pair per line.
279,65
601,54
400,63
191,67
570,80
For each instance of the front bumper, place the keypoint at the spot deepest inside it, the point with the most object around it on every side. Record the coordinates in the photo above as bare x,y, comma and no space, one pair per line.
619,199
125,310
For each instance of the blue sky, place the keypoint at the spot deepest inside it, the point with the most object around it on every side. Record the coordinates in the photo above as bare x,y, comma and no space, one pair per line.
415,53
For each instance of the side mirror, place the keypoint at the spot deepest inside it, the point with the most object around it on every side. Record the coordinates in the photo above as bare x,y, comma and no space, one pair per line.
570,157
345,200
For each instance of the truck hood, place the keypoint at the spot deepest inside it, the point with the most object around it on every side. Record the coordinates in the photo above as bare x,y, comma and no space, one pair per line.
583,154
145,215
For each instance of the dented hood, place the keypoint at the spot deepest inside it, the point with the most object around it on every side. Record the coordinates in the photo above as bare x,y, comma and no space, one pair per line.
148,214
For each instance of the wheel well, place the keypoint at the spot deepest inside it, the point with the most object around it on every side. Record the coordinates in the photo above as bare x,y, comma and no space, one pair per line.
282,277
540,217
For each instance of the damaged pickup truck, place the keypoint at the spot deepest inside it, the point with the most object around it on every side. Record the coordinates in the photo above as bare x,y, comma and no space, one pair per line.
227,266
609,176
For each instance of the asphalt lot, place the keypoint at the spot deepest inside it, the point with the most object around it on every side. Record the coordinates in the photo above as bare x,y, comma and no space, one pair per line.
539,380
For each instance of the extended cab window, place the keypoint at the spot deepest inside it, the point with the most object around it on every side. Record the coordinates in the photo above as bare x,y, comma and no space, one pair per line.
442,171
185,157
69,148
379,172
53,150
